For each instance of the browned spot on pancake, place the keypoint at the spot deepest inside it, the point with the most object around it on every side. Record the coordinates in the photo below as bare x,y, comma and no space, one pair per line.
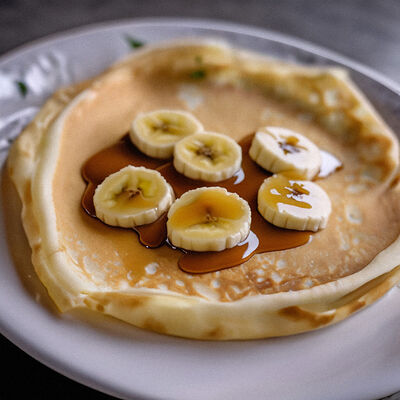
89,302
96,304
215,333
36,247
133,302
25,153
292,284
265,284
100,308
28,193
353,307
395,181
153,325
315,320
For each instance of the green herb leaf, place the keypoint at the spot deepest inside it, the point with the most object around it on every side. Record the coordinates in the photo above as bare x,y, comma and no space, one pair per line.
198,74
134,43
22,87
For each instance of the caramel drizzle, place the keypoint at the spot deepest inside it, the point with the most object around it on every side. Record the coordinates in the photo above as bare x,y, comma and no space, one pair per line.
263,236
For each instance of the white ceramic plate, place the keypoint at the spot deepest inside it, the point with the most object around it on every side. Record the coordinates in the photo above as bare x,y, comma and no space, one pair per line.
356,359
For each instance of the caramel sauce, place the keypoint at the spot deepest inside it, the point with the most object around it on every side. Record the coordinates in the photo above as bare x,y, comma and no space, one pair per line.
289,146
282,189
263,236
208,208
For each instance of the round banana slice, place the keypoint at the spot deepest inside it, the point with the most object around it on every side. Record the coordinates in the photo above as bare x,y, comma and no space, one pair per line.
279,149
208,219
155,133
207,156
132,196
294,204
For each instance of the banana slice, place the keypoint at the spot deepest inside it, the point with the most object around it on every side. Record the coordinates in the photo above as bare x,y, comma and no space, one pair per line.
279,149
207,156
132,196
294,204
155,133
208,219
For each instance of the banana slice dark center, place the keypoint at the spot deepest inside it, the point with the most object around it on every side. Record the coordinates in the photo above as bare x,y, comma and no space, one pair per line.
168,128
290,145
129,194
210,219
207,151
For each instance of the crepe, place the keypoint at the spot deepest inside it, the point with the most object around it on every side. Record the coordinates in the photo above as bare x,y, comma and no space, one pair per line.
84,263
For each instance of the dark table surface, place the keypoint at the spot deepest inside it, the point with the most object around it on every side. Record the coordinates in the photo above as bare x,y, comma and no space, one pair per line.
366,30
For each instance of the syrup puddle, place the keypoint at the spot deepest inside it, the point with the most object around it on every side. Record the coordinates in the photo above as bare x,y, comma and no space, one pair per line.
263,236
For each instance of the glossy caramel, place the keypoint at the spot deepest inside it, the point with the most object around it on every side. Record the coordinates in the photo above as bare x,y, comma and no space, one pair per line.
263,236
207,208
282,189
289,145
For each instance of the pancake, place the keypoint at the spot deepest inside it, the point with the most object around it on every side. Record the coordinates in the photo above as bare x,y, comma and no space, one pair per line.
84,263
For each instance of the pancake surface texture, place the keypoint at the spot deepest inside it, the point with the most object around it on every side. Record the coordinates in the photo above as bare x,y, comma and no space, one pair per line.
85,263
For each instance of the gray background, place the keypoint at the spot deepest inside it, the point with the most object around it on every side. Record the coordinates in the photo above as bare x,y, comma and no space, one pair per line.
366,30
